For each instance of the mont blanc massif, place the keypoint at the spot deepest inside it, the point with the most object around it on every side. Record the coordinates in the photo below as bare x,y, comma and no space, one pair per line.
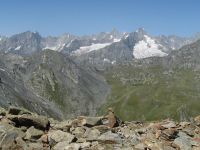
141,76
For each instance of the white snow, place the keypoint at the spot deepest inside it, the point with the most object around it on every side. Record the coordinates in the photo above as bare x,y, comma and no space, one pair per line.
17,48
111,36
147,48
2,69
106,60
109,61
113,62
68,45
58,48
93,47
116,40
126,36
51,48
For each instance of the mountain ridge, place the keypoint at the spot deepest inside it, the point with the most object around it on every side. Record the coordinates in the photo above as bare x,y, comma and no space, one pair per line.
137,75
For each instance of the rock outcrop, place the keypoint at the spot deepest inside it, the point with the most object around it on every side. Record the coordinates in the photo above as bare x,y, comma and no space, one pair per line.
30,131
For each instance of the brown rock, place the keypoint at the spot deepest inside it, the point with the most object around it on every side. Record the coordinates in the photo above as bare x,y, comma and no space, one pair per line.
90,121
158,133
44,138
111,118
169,134
169,124
197,120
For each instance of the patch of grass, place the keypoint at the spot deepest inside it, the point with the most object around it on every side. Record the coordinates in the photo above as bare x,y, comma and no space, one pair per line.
153,93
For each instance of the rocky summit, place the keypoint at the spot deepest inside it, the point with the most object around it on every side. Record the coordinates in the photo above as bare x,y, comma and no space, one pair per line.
21,129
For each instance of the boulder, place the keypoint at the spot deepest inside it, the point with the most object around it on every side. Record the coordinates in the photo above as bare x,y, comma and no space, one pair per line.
92,134
33,133
140,146
169,134
64,125
183,141
57,136
169,124
79,132
72,146
20,144
102,128
35,146
110,138
39,122
134,140
66,146
8,135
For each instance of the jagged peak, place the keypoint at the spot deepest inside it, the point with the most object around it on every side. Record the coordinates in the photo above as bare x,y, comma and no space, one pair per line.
141,31
27,34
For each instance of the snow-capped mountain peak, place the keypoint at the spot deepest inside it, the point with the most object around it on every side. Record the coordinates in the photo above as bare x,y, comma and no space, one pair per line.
148,48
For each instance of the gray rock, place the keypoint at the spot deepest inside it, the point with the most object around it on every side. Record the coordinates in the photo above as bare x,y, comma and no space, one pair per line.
102,128
8,135
183,141
140,146
92,134
33,133
79,132
59,136
66,146
63,125
134,140
110,137
35,146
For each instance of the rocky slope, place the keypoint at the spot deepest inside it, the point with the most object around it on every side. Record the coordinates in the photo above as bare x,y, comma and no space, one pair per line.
51,84
23,130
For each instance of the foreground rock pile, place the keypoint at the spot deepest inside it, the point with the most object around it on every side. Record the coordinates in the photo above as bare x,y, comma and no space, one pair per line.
23,130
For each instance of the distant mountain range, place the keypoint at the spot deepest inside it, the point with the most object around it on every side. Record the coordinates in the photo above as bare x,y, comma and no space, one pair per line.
29,42
135,73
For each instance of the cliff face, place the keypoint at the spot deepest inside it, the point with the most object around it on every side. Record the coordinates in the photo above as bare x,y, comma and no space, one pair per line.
21,129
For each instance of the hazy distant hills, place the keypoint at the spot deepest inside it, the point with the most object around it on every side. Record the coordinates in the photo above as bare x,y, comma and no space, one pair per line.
136,73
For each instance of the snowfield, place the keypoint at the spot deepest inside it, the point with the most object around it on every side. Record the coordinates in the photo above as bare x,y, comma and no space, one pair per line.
148,48
93,47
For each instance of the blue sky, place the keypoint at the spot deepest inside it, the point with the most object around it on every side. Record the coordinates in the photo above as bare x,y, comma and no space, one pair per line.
54,17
